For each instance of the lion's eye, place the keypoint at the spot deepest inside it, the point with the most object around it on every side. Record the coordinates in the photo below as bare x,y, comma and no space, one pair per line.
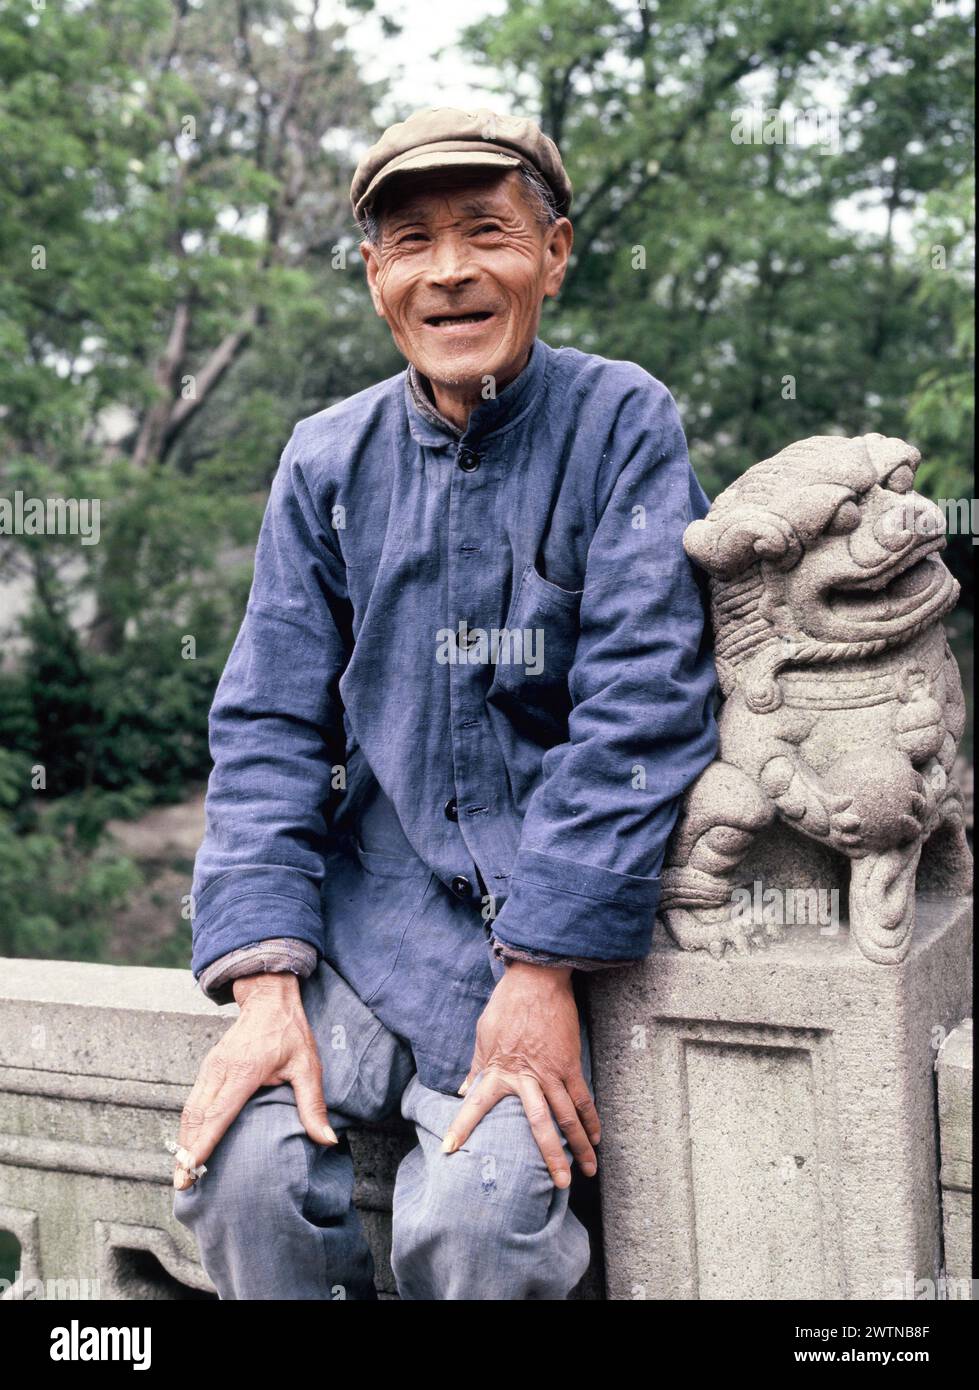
902,479
847,518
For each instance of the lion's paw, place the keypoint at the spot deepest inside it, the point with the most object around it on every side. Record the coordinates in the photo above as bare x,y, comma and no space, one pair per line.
716,929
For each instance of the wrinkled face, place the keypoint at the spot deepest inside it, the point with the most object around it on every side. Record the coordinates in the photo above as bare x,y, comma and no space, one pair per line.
875,571
461,268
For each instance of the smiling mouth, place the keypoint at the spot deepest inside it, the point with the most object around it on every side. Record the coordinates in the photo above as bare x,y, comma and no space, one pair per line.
476,316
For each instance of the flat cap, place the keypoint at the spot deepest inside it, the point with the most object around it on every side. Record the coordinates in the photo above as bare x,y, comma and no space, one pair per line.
442,137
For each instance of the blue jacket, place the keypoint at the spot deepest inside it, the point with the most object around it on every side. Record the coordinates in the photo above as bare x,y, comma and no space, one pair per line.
471,684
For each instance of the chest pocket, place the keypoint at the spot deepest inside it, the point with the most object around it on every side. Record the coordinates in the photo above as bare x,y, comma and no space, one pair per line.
530,678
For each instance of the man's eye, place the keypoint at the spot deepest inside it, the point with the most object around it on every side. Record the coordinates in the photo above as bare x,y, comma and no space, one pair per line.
487,227
411,236
901,480
847,518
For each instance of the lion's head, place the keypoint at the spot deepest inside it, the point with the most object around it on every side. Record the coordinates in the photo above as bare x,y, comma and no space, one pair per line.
822,553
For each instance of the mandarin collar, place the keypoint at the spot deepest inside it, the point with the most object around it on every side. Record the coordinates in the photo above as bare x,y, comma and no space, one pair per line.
429,426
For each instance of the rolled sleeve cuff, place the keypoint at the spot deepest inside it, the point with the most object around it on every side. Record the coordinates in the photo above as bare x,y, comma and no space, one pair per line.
279,955
246,907
502,950
606,917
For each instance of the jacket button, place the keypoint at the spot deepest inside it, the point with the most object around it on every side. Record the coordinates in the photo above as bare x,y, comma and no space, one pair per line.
468,461
451,809
461,886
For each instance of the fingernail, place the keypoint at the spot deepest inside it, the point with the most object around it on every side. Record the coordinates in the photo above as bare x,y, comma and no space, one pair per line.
449,1144
463,1089
330,1134
562,1179
181,1179
589,1170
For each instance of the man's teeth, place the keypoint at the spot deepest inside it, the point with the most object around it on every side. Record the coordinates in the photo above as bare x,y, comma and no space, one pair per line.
458,318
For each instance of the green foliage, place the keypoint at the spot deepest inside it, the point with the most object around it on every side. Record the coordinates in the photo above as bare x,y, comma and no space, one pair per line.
172,206
941,411
173,951
770,311
57,886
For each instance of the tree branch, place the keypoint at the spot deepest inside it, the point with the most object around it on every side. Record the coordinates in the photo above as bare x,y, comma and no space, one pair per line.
207,379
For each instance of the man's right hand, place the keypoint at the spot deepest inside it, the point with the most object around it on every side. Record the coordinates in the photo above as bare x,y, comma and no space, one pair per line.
270,1042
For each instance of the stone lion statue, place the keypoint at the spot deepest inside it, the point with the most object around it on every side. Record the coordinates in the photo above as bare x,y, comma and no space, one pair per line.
842,706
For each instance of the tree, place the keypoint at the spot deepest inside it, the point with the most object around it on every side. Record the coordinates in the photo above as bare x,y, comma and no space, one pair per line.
175,217
175,185
716,241
182,287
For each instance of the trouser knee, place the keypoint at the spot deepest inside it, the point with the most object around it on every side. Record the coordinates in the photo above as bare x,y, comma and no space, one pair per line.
273,1215
477,1226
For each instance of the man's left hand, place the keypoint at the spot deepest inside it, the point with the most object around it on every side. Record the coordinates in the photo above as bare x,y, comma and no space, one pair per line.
528,1045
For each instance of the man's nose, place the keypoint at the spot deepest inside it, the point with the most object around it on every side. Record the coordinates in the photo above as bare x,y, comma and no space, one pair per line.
451,263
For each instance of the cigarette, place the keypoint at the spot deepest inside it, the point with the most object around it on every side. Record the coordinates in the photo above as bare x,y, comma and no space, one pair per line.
184,1165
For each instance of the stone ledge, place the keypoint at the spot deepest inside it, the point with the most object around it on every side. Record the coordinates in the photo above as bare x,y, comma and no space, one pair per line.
97,1061
774,1136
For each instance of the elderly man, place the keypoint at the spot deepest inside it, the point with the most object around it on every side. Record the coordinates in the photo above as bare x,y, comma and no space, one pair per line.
470,687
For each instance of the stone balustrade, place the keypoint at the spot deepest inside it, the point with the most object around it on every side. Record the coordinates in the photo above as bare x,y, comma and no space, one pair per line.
97,1061
770,1123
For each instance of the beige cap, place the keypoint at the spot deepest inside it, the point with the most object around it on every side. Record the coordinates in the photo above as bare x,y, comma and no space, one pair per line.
443,138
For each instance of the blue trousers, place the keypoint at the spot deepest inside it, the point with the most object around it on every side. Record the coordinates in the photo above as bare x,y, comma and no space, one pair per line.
273,1216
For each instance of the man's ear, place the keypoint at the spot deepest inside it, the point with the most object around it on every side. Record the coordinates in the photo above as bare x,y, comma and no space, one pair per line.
372,262
557,250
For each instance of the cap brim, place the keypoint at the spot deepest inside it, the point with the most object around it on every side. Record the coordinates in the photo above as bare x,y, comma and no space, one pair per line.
434,159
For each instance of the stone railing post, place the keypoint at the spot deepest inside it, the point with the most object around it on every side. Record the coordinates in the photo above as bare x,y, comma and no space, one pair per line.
769,1123
767,1075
